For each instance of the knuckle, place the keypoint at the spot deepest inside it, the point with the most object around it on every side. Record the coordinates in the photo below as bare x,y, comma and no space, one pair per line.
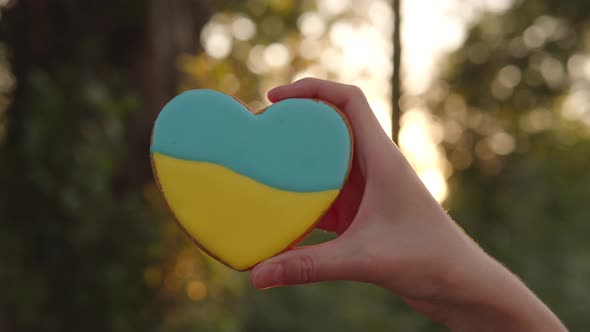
307,80
354,90
302,270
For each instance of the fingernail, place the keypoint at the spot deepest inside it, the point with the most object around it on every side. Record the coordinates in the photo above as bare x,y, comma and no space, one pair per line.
270,94
268,276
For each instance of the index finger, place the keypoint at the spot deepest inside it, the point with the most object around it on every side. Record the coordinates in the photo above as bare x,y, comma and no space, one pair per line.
348,98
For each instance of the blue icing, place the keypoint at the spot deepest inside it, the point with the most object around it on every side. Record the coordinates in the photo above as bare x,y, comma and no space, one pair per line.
297,144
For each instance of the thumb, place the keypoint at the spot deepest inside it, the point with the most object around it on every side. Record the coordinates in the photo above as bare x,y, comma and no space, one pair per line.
327,261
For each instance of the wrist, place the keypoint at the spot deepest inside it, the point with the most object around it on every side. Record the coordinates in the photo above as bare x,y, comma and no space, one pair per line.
494,299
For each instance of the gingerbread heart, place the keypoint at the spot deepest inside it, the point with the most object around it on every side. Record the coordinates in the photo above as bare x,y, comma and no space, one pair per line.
247,185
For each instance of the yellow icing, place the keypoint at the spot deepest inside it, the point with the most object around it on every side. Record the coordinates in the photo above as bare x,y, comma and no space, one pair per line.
238,220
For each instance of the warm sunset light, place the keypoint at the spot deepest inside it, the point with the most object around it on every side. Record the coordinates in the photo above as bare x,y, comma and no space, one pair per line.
138,195
357,49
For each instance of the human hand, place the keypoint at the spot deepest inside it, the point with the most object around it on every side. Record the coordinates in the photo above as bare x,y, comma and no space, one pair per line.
392,233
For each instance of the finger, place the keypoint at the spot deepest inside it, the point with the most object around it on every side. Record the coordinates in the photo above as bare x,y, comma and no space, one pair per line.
335,93
348,98
372,145
327,261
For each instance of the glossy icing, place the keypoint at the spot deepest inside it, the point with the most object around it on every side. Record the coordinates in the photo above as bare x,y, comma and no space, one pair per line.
236,219
296,145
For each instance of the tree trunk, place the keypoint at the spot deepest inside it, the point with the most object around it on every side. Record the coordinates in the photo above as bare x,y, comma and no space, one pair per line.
396,88
173,28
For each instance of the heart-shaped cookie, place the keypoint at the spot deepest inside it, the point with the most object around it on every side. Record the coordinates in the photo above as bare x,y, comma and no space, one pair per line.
247,185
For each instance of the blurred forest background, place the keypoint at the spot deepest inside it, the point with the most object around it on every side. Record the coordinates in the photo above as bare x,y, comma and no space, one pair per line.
86,244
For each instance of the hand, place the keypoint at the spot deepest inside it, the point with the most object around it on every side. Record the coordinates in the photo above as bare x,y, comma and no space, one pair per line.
392,233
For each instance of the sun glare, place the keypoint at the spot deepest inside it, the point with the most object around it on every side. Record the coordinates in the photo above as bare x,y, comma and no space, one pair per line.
350,41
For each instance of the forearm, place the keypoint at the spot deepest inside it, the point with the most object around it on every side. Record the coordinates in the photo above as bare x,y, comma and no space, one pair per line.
501,303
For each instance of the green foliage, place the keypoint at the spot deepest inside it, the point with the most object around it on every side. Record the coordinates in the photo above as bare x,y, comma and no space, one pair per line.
521,161
88,245
90,248
74,249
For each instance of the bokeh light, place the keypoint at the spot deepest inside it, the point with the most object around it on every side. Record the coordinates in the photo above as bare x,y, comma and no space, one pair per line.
243,28
350,41
495,120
